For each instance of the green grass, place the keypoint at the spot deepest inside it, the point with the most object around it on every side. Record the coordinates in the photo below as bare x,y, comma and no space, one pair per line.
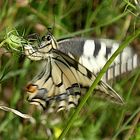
96,120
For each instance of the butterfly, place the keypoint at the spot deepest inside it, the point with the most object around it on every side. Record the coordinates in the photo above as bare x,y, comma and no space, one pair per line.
63,80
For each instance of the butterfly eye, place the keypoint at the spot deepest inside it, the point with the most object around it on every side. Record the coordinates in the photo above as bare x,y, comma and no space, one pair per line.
48,38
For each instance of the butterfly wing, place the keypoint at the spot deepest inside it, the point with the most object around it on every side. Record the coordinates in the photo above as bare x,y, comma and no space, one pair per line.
61,82
94,53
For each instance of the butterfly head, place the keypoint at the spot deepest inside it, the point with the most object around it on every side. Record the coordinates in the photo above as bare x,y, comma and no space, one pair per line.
48,43
42,49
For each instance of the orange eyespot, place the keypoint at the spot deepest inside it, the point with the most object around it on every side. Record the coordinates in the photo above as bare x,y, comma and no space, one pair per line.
31,88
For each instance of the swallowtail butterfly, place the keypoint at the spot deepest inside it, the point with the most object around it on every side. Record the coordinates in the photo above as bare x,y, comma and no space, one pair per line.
69,71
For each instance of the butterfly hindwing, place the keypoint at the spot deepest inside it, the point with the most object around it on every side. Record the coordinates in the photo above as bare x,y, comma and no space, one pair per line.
94,53
86,78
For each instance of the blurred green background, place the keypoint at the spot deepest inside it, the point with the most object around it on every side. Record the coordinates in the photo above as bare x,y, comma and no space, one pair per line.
98,120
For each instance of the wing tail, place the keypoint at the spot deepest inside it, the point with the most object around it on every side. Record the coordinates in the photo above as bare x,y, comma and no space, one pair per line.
104,91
